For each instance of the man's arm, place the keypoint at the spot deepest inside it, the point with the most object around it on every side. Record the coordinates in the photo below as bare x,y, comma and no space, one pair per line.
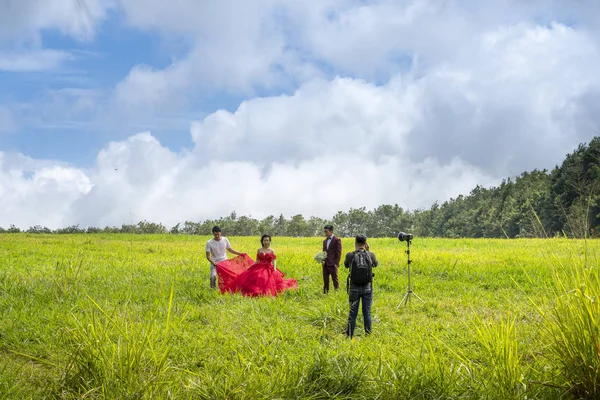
348,260
338,250
232,251
374,259
208,257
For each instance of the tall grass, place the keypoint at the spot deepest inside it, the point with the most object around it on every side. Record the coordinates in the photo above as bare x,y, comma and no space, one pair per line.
117,356
99,318
500,369
572,330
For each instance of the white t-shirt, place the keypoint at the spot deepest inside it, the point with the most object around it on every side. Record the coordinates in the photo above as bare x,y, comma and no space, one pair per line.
218,249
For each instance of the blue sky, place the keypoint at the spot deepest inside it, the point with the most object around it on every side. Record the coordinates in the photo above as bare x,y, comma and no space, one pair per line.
201,98
97,65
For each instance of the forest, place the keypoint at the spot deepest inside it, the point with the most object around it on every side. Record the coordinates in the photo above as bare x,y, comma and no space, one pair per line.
538,203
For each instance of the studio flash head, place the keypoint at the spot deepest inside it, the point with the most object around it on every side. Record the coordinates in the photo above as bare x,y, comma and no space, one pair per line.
405,237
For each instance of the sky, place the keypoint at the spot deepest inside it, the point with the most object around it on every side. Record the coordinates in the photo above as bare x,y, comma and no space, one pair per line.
117,111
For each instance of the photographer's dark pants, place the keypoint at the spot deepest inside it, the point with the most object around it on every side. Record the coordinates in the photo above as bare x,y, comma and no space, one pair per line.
358,292
333,271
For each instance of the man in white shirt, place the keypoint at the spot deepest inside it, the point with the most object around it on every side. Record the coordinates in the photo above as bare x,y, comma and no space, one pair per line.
216,251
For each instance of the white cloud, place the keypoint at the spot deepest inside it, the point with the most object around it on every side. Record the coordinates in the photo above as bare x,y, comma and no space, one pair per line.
22,21
140,179
415,140
321,118
234,47
513,102
32,60
425,99
271,45
36,192
298,154
151,90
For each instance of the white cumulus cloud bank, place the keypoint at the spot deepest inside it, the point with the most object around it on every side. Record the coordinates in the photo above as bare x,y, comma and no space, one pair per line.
330,146
434,97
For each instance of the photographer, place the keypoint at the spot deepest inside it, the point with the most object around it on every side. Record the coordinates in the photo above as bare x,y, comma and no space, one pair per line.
361,263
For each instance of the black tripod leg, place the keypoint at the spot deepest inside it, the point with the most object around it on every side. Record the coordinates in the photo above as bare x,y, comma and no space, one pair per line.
409,292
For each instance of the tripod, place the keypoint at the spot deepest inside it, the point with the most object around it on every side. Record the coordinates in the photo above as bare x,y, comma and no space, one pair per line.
409,291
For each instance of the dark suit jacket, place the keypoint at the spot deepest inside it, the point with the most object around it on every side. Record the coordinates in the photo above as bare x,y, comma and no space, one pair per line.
334,253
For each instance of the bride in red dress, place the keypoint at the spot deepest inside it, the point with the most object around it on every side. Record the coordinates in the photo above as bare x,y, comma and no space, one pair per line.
261,278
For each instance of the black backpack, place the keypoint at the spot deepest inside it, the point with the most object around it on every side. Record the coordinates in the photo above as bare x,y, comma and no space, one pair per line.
361,271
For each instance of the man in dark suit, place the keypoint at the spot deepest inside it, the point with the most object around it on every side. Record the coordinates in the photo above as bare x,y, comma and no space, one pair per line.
332,245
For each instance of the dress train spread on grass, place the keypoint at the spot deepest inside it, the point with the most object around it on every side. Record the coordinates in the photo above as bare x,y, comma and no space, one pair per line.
261,278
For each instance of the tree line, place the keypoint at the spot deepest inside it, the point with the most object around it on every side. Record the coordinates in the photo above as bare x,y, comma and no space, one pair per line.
539,203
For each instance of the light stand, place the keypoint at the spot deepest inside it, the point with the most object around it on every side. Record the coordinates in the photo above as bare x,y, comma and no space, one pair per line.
409,292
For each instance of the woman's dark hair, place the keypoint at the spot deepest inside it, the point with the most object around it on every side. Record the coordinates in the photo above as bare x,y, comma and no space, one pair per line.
262,238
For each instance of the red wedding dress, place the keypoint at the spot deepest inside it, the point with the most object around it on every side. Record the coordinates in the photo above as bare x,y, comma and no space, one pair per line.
260,278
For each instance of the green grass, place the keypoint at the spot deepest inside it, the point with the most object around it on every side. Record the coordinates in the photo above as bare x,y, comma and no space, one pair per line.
132,317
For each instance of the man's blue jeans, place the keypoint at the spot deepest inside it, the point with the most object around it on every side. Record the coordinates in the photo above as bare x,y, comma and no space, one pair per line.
358,292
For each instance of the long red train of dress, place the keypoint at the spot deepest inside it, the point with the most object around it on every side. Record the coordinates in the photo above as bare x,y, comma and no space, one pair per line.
260,278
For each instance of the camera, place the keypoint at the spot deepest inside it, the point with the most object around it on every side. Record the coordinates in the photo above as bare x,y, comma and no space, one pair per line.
405,237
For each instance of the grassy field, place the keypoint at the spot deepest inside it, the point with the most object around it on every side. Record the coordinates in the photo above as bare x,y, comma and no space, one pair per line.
133,317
